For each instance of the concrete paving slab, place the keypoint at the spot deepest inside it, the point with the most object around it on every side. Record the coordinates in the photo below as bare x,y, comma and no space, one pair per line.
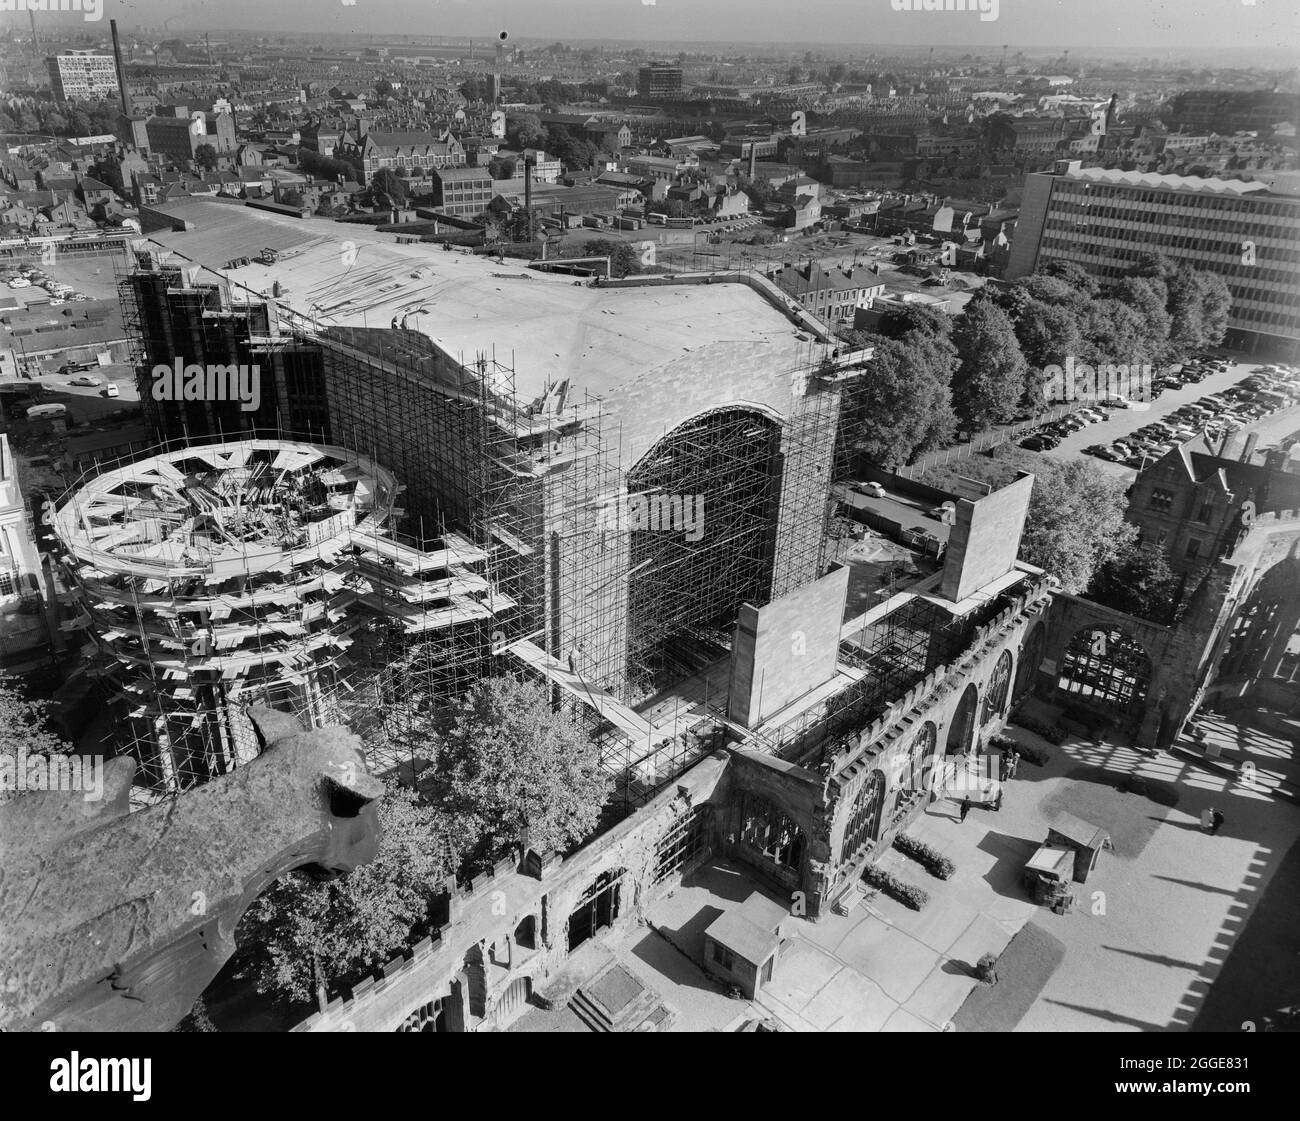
850,1003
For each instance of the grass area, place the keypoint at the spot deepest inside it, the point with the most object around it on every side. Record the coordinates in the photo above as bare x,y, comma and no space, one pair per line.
1024,969
1099,797
997,468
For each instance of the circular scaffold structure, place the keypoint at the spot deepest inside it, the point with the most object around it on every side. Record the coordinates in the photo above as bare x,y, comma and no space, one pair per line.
215,577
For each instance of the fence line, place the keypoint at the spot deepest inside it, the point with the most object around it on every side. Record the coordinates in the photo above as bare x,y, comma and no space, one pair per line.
991,439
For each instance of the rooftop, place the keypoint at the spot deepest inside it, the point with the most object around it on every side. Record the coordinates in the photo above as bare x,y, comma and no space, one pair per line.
1169,182
598,337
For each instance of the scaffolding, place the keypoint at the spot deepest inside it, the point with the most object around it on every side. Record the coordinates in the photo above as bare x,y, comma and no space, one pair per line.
883,659
611,613
212,577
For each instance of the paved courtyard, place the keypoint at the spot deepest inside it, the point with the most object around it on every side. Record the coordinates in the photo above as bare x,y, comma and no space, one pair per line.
1152,929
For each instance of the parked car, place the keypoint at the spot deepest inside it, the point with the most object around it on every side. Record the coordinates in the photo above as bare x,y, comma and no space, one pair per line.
45,412
87,379
875,490
20,282
111,390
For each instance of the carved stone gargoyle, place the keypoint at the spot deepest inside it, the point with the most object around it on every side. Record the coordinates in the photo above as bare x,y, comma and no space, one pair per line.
117,921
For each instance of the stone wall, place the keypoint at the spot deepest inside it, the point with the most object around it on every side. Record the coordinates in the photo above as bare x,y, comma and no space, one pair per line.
456,964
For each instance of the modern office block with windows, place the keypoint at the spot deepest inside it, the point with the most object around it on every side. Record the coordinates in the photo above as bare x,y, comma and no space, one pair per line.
1106,220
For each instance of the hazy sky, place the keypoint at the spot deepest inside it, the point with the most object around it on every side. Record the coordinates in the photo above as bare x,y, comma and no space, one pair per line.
1151,24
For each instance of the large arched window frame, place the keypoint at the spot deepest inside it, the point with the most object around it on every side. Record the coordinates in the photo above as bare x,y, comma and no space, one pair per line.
773,832
865,818
995,693
1107,666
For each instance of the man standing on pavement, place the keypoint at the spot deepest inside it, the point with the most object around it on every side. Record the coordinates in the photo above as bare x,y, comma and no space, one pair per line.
965,808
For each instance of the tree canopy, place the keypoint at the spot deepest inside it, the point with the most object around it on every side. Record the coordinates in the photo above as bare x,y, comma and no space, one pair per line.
507,763
990,377
348,926
25,728
901,405
1075,523
1138,582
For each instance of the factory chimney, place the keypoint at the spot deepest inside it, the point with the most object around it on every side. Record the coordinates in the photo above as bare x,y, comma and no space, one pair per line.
121,70
530,162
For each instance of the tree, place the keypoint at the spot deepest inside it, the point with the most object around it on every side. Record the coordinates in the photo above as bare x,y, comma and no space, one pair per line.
387,188
501,167
1198,302
901,406
1138,582
291,198
526,131
1149,299
507,762
1075,522
340,929
25,731
899,322
205,155
1048,334
1052,290
622,257
1076,276
760,192
1116,334
384,87
990,377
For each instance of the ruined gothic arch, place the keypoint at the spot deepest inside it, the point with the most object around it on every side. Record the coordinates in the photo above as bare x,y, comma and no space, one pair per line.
919,768
998,688
866,817
1106,667
961,728
1264,625
1031,657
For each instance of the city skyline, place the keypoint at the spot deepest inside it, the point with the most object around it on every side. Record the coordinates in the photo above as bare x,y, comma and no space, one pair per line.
1220,25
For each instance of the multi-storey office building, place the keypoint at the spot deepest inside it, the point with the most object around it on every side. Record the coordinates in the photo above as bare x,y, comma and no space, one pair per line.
82,76
1105,220
659,81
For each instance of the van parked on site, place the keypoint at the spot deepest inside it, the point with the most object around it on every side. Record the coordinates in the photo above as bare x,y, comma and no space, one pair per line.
46,412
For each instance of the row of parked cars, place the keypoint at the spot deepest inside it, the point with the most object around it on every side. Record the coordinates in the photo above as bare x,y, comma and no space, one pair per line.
1050,435
29,276
1268,390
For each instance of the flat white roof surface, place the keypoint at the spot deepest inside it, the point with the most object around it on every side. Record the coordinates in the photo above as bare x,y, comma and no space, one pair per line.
353,276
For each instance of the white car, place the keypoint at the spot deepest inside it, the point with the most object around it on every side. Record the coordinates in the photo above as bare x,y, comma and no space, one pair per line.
874,490
86,379
20,282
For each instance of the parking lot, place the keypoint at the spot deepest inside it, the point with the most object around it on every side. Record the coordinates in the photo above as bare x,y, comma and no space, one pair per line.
84,403
1120,424
86,278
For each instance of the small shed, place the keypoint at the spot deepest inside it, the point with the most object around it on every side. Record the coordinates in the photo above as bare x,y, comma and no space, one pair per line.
741,946
1087,841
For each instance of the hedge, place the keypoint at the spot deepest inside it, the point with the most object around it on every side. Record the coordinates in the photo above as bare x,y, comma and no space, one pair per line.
1052,733
929,858
1004,745
909,894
